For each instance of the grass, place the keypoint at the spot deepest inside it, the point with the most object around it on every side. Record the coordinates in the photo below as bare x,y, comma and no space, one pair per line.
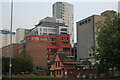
37,77
26,76
33,77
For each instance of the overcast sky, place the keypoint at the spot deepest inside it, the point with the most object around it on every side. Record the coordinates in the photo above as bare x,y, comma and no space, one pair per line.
28,14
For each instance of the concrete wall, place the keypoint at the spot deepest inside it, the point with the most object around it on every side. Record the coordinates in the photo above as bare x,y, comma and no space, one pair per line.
86,37
20,34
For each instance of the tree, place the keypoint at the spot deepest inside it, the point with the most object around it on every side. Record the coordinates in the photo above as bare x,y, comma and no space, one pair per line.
108,43
22,63
5,65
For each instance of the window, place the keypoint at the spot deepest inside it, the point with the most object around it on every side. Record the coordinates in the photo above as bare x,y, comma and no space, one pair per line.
52,30
64,38
80,23
53,50
52,72
89,55
65,43
51,56
53,44
44,29
57,72
52,39
60,72
63,33
35,38
63,29
88,20
66,49
44,38
44,33
57,64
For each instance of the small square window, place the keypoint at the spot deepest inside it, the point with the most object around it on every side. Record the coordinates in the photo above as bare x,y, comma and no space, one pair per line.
88,20
90,55
80,23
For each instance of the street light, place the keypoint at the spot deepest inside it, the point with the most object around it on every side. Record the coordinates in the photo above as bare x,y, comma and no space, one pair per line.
10,64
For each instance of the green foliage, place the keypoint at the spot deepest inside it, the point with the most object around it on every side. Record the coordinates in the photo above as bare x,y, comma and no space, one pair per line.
108,43
5,65
22,63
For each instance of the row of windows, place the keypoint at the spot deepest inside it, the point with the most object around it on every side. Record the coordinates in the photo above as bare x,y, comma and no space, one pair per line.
63,29
43,38
86,21
58,72
64,38
64,43
53,44
63,33
45,29
66,49
53,50
51,39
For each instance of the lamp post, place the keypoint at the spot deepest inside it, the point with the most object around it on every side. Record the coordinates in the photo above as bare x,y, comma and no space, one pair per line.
10,64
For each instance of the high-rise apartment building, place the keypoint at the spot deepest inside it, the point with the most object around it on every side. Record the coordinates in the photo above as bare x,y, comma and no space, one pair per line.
63,12
5,37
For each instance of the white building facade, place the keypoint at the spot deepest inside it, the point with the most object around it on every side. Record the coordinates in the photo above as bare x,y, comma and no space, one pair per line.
49,28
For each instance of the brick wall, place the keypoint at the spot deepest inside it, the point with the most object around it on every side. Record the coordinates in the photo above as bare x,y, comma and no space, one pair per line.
38,52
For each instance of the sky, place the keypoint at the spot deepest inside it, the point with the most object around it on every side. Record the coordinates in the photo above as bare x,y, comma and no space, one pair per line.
28,14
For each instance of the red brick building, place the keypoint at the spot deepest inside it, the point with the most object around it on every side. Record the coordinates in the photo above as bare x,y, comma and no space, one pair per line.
65,66
61,64
45,45
56,43
6,50
37,51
